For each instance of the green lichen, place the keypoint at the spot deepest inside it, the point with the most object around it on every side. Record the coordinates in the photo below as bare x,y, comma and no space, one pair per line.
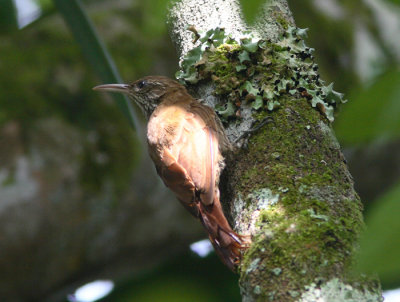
258,71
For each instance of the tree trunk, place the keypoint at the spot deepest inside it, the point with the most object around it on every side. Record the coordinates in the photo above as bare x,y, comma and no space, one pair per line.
288,186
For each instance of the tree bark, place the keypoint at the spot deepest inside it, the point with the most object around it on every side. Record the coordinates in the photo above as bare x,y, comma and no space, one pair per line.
289,187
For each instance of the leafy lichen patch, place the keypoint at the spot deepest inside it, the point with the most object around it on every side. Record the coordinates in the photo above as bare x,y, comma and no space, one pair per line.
258,72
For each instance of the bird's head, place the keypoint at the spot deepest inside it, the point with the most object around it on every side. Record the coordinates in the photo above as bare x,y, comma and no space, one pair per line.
147,92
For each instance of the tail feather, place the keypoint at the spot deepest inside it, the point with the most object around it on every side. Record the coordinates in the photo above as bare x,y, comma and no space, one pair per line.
227,244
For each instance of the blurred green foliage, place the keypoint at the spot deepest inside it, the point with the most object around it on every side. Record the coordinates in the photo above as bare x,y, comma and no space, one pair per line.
380,245
184,278
51,80
8,16
373,113
95,52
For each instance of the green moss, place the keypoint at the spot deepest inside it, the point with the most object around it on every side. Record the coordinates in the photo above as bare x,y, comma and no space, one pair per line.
304,246
312,230
281,20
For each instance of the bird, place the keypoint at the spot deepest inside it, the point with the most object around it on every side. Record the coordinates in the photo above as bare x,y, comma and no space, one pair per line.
186,140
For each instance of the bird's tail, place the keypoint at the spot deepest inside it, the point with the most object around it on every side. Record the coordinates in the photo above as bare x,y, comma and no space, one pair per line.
227,244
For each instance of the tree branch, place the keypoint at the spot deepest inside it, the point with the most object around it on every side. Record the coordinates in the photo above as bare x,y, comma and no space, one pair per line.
289,188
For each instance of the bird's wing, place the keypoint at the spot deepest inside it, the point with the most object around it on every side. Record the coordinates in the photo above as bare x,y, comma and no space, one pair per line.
214,123
199,155
189,162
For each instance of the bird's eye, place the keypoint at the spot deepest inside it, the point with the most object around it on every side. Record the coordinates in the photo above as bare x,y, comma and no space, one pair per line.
141,84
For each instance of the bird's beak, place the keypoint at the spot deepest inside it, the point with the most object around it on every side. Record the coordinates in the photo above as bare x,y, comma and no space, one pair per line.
123,88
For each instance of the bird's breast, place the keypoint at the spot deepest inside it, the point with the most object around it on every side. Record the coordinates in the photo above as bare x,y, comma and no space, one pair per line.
165,126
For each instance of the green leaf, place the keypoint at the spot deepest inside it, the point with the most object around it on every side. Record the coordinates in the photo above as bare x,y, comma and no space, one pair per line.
8,16
380,244
95,52
251,8
372,113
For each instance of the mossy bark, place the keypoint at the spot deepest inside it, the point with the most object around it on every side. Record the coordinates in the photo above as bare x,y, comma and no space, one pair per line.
293,193
289,189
